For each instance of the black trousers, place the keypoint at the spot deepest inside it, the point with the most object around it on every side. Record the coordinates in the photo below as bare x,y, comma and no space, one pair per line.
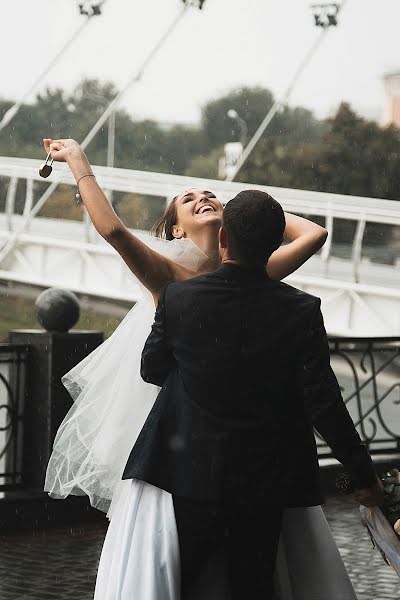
249,533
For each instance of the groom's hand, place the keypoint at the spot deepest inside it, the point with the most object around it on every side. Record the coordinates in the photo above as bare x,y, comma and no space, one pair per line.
372,496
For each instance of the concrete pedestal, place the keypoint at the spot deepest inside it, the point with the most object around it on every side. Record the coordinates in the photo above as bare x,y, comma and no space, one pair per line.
51,356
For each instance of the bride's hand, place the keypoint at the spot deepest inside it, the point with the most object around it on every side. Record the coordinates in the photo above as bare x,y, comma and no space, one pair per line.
62,150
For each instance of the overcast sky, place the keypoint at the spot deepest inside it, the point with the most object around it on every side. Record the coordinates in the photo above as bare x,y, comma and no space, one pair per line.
229,43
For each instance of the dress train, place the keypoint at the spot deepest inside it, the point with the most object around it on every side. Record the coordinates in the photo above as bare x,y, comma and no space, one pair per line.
140,557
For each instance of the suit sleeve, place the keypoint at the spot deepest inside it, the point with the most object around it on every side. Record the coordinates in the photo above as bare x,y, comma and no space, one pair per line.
157,358
327,409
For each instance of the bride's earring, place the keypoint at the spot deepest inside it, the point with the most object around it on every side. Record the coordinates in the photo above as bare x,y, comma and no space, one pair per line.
46,168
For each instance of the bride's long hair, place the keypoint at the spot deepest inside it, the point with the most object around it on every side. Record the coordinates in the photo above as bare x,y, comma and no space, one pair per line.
162,228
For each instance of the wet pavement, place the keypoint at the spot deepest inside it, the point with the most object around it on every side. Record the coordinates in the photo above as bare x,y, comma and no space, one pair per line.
372,578
58,564
61,563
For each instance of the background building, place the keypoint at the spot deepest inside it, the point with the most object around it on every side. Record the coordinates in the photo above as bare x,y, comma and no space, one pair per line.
392,104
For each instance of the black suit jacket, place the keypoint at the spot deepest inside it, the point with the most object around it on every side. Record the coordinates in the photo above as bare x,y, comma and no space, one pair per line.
244,365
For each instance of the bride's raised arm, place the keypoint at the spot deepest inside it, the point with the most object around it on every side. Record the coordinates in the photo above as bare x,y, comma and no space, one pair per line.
151,268
304,239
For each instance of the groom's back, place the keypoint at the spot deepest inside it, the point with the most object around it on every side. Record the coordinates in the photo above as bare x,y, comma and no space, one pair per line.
239,341
230,421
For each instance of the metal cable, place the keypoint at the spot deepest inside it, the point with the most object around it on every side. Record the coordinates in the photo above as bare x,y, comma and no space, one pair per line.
278,103
11,112
111,108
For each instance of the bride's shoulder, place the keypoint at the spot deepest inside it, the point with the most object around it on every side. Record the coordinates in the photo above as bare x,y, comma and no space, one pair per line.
183,274
184,253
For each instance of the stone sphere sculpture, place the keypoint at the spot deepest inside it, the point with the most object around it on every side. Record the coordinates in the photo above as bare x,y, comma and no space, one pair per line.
57,310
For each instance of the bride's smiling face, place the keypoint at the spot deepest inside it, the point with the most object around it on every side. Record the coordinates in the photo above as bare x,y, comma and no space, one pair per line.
195,210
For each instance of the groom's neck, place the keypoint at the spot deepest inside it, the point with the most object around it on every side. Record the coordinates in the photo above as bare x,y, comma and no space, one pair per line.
232,261
229,258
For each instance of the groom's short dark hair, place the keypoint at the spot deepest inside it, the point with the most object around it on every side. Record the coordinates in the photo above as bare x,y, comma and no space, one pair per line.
254,224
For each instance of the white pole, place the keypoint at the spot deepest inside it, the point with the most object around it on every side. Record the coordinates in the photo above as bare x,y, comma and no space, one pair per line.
111,140
110,149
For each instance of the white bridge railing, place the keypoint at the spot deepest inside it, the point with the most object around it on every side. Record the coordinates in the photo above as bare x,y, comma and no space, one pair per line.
55,252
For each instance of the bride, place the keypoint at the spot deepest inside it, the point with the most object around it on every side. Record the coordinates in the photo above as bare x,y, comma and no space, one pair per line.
140,557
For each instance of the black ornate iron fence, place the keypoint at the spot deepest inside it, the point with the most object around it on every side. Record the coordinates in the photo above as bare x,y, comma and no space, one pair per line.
368,370
13,390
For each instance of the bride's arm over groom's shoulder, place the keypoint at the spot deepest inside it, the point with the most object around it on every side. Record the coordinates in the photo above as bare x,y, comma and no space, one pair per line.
326,407
157,358
304,239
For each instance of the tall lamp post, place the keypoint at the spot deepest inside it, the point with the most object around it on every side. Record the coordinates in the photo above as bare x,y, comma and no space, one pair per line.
232,114
233,150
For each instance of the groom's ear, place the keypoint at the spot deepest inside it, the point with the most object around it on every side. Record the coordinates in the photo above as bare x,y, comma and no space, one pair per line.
177,232
222,238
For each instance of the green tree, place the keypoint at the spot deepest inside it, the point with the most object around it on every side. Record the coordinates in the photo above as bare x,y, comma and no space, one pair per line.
290,137
49,115
344,154
358,157
252,104
279,163
86,104
206,166
353,156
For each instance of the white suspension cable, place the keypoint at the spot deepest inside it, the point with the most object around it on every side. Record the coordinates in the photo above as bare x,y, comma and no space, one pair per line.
279,103
134,79
11,112
109,110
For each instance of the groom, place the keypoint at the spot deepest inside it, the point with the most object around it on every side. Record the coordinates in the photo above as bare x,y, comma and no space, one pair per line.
243,362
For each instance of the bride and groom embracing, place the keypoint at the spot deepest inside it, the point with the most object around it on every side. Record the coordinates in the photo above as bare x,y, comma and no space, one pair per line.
243,362
224,455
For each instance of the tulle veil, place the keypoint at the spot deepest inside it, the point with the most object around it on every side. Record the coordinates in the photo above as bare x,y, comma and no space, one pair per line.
111,401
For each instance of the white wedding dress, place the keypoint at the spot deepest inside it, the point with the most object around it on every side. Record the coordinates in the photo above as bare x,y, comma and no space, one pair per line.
140,556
